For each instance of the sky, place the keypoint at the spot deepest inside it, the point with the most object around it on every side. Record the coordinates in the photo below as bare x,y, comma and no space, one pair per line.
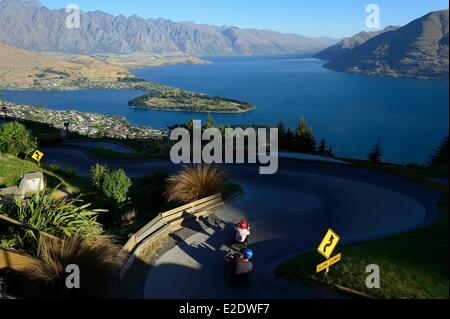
331,18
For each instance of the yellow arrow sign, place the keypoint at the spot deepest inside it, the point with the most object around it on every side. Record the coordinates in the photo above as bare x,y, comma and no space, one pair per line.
328,243
37,156
328,263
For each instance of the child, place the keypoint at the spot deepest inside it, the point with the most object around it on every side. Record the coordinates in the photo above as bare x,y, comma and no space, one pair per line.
242,232
243,265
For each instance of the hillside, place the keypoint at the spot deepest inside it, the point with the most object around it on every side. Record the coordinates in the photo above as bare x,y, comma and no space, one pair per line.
30,26
348,44
20,68
419,49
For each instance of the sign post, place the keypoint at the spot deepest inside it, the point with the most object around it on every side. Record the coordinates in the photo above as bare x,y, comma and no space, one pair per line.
37,156
326,248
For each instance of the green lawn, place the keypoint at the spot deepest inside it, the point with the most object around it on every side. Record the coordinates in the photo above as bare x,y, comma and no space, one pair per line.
412,265
422,174
12,169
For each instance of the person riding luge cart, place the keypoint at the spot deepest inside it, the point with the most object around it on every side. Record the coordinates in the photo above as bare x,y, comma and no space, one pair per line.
239,266
238,258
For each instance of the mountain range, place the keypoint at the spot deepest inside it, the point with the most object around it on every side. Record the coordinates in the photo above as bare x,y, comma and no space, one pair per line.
419,49
29,25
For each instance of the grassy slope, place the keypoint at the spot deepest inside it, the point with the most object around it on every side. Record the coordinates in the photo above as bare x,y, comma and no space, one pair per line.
412,265
12,169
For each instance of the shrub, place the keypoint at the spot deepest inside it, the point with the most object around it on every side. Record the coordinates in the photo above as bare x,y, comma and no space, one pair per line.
128,218
195,182
98,173
42,212
147,194
116,185
16,140
45,276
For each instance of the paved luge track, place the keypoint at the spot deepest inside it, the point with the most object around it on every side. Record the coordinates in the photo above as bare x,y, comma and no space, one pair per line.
289,213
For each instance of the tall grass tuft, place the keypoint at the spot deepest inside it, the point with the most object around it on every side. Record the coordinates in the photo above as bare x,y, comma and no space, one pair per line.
195,182
99,261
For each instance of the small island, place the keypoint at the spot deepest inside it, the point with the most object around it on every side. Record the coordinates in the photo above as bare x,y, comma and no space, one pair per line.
180,100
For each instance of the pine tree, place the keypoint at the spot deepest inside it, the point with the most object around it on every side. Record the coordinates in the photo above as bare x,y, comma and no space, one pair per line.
306,143
322,149
210,123
290,140
281,130
330,152
189,125
440,156
377,154
282,137
286,137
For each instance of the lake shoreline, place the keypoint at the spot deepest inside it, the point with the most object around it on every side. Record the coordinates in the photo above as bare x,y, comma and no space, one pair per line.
190,111
351,111
152,89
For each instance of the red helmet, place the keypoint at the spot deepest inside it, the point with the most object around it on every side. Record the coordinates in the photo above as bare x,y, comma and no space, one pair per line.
244,224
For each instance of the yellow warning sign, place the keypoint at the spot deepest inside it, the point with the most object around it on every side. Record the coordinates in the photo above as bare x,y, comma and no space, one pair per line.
330,262
328,243
37,156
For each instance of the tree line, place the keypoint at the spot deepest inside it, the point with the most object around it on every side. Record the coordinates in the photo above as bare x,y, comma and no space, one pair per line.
302,140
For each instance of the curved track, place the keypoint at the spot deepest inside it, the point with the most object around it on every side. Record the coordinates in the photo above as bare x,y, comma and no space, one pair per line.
289,213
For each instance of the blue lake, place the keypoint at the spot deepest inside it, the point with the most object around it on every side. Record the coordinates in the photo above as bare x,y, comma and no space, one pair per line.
350,111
